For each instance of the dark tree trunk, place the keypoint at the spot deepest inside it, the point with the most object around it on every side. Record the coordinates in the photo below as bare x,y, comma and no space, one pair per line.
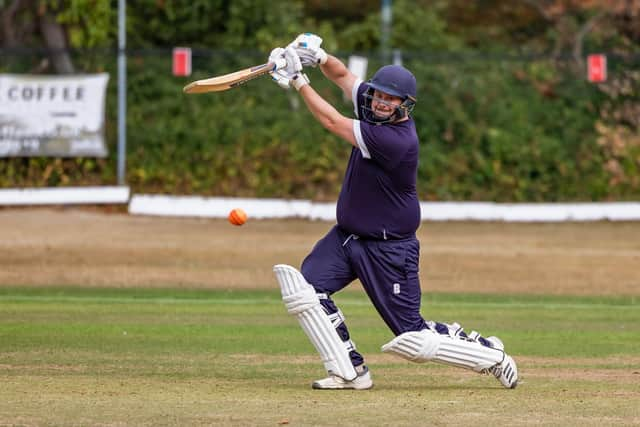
55,39
9,36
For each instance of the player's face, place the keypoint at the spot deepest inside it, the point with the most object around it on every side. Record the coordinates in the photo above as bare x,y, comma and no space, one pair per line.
383,104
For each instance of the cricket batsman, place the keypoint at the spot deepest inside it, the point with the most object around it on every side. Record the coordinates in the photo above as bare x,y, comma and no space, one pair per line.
374,240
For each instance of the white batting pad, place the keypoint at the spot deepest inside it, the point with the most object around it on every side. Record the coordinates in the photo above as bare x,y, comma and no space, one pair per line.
426,345
302,301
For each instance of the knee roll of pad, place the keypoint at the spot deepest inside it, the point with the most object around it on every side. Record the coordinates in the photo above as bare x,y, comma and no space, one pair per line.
301,300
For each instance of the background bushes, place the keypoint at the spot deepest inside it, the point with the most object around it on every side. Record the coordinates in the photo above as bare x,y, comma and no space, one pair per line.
498,119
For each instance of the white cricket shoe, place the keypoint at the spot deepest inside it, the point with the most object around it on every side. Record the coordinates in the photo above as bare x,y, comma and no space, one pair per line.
507,371
333,382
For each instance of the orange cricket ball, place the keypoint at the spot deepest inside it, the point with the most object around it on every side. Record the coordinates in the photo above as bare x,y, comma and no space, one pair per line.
237,216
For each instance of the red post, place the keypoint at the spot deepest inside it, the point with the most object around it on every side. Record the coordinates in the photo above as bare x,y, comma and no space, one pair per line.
181,61
597,68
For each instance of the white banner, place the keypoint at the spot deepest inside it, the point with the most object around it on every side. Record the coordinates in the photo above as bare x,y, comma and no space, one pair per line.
57,116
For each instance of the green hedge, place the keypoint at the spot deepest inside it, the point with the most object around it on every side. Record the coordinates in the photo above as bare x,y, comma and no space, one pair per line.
502,130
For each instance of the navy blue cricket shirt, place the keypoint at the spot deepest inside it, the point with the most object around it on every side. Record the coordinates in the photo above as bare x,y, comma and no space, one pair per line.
378,198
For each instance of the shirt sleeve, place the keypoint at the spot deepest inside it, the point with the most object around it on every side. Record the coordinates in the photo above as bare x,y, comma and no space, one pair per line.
355,90
357,132
381,143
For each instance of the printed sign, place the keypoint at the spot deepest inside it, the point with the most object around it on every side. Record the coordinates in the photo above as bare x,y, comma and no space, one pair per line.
182,61
597,68
55,116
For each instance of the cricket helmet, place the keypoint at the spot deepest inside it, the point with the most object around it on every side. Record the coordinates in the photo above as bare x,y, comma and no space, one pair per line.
393,80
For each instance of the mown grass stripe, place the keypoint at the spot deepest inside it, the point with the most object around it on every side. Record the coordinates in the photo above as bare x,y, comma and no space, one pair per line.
274,301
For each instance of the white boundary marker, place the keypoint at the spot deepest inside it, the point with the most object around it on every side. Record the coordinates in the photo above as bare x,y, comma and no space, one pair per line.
531,212
219,207
64,196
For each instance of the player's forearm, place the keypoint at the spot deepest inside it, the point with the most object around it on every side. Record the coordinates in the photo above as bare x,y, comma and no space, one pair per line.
327,115
324,112
339,74
334,69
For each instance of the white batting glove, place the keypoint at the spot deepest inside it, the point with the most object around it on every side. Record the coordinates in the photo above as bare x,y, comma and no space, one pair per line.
297,78
279,73
286,81
290,75
307,46
281,79
294,65
277,57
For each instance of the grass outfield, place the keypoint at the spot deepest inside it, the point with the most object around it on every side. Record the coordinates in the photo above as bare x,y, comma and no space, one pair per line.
81,356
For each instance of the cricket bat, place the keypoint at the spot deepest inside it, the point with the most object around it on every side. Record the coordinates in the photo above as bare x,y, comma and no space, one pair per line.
228,81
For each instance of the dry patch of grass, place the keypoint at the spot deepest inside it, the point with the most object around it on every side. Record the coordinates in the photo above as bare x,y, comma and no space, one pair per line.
41,247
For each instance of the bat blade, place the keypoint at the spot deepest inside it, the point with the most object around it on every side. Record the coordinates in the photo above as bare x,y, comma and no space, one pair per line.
228,81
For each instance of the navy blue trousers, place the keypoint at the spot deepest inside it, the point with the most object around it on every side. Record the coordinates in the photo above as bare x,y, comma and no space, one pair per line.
387,269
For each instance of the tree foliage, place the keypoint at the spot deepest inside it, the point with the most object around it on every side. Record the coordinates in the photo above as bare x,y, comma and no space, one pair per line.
504,110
